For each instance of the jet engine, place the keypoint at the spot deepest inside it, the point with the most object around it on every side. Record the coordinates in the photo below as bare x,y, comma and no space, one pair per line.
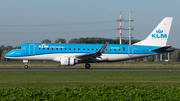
68,61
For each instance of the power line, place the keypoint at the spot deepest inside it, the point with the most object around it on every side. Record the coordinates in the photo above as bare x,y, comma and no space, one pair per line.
57,32
20,40
68,24
138,34
140,27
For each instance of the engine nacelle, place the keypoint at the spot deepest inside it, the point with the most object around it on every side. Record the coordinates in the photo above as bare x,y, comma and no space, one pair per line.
68,61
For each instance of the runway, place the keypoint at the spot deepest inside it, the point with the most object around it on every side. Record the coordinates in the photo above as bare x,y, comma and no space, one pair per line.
93,69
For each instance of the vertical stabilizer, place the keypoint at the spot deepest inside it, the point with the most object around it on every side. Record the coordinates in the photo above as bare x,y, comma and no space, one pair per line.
159,35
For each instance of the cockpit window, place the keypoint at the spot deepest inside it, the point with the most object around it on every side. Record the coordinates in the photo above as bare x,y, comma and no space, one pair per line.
18,47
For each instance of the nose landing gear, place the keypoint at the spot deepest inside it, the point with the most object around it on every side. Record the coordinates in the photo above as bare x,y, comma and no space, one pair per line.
26,64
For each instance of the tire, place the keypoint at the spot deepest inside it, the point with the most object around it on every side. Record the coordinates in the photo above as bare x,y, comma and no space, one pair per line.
26,66
87,66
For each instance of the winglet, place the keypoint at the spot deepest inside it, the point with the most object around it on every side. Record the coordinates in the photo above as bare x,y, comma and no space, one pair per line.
103,48
96,54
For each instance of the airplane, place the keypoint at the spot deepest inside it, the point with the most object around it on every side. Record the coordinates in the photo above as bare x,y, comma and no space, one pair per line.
69,54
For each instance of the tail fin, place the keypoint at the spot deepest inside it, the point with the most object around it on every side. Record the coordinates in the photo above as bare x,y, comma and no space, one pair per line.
159,35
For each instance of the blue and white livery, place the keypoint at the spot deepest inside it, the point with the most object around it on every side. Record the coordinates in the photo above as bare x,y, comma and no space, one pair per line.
71,54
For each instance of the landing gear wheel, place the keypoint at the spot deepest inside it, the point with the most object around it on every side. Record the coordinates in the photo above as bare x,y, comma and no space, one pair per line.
87,66
26,66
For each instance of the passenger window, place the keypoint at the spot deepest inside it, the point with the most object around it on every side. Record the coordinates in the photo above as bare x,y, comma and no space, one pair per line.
48,48
110,49
52,48
106,49
74,48
65,48
43,48
114,49
61,48
39,48
88,49
119,49
92,49
56,48
96,49
83,48
69,48
78,48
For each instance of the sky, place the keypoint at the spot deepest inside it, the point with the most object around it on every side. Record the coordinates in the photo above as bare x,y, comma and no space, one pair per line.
24,21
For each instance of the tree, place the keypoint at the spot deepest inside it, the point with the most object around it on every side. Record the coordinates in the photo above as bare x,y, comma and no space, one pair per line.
60,40
100,40
2,48
93,40
2,55
150,58
175,55
74,41
8,48
46,41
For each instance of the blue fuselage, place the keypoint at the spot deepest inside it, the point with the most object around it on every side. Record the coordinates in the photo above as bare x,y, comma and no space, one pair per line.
49,51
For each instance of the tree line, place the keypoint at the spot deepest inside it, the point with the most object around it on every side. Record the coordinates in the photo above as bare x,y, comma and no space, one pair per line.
175,56
91,40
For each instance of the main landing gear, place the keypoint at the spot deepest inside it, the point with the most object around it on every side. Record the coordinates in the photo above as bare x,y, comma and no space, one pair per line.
87,66
26,66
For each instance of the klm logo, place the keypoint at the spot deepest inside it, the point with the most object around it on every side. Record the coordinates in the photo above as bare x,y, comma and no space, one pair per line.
159,34
43,46
159,31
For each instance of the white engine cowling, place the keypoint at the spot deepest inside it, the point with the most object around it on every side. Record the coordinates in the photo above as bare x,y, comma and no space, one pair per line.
67,61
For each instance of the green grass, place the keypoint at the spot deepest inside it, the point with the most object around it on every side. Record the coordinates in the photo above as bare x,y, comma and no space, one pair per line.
60,79
83,85
127,64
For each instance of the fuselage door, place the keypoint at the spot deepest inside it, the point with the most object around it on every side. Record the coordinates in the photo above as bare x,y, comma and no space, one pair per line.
31,49
130,50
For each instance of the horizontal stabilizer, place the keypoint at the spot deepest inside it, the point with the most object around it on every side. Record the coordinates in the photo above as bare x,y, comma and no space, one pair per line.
161,48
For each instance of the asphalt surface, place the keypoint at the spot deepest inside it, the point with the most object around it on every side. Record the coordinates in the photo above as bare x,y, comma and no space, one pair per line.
93,69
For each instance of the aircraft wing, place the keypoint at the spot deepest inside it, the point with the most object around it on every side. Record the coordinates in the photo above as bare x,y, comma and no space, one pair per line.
92,56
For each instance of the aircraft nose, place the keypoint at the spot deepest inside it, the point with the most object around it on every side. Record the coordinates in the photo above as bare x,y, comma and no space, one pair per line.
8,54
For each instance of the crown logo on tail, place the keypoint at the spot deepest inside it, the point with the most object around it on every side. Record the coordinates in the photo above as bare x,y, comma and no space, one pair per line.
159,31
